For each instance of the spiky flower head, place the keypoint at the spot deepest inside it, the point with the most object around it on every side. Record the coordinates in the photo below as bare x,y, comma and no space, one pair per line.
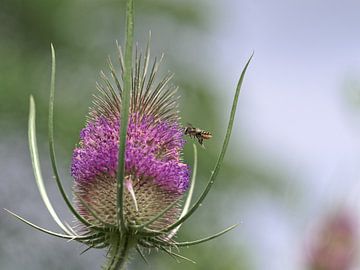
155,175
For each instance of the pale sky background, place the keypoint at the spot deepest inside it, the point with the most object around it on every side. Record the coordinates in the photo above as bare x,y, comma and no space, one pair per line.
295,109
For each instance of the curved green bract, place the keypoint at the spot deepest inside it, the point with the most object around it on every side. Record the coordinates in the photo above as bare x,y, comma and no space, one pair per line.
192,187
65,236
191,243
51,141
36,166
124,111
221,155
175,255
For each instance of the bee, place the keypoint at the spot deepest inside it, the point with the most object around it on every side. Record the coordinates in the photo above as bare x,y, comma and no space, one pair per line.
197,133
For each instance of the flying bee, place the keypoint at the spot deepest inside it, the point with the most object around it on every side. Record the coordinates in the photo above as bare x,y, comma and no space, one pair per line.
197,133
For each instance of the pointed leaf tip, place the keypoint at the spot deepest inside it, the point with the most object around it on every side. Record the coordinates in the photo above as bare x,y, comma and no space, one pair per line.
51,139
221,156
203,240
65,236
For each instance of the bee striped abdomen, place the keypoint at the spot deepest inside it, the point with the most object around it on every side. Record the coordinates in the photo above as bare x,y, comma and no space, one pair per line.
197,133
206,135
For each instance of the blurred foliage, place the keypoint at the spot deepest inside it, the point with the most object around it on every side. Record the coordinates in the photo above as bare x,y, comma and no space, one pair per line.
84,33
351,92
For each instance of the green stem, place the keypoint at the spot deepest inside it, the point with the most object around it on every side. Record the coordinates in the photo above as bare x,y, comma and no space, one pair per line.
124,110
120,249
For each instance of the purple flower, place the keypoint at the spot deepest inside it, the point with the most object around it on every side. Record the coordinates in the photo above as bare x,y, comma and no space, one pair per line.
152,152
155,176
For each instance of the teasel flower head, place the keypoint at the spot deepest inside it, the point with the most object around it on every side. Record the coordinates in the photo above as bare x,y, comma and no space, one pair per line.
130,180
155,175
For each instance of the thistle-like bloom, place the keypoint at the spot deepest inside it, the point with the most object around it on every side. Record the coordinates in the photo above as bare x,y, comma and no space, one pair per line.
129,177
155,176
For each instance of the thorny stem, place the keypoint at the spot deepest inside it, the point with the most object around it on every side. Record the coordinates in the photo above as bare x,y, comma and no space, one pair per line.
124,111
119,251
124,240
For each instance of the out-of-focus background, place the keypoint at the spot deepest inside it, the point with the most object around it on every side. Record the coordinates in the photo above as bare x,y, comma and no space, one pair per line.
293,159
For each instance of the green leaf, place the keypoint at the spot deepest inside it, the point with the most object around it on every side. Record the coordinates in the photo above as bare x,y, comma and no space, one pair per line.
36,166
221,155
124,110
51,141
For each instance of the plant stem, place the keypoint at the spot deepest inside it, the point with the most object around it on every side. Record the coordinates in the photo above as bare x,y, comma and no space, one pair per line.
124,111
119,251
124,254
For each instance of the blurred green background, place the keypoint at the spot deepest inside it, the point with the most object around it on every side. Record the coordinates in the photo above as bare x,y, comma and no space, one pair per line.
84,34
